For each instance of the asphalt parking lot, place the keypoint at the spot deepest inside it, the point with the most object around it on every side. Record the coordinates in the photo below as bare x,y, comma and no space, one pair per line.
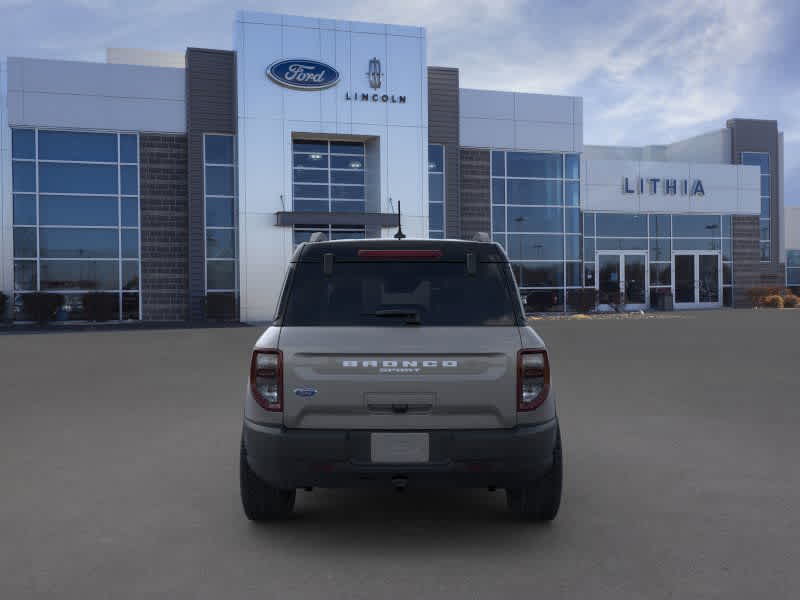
118,471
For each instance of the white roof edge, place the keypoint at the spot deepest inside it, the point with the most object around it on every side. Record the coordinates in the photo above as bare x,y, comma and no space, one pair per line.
144,57
87,62
467,89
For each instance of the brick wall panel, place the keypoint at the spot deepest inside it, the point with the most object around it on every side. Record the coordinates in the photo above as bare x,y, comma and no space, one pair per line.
475,193
164,227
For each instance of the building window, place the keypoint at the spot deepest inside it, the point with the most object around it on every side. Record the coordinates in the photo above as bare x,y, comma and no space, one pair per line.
328,176
76,219
436,191
221,229
536,218
302,233
761,160
793,269
659,235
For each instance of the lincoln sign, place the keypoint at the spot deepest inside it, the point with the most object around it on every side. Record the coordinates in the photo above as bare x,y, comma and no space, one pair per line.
670,187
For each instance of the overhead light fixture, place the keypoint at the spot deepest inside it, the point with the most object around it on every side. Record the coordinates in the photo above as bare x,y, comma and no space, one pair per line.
316,156
355,164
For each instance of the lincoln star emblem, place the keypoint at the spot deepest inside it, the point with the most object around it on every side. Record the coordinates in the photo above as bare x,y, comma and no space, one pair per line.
374,74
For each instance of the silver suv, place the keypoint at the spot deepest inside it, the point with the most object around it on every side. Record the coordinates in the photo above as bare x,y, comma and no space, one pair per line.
400,363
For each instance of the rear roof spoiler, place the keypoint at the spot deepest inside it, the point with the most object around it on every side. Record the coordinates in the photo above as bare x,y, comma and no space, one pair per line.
440,250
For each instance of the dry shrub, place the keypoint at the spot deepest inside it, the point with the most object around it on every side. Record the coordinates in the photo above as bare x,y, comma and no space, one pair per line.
790,301
773,301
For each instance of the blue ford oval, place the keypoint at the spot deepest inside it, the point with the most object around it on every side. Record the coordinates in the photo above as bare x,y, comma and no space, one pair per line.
303,74
305,392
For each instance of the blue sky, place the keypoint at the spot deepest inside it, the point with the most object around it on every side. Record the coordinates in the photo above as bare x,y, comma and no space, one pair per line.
649,72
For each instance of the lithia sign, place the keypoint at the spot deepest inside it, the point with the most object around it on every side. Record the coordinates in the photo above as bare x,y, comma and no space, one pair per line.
669,187
306,74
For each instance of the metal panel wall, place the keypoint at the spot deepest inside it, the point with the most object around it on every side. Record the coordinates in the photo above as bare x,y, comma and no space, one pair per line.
754,135
475,196
520,121
86,95
443,128
210,108
271,115
746,267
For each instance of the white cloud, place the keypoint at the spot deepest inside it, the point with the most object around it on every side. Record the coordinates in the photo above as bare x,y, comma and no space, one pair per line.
672,65
650,72
696,79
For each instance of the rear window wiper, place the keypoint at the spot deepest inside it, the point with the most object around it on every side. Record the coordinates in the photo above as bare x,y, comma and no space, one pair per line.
412,316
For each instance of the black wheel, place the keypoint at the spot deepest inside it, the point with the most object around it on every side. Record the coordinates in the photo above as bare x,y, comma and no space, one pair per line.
261,501
540,500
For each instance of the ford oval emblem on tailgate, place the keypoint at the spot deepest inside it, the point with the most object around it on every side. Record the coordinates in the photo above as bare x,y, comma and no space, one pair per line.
305,392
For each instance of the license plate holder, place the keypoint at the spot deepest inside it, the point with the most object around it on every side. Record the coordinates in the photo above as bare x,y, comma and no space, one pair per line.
399,447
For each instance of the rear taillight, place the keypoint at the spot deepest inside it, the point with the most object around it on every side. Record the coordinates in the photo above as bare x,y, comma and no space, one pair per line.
533,379
266,379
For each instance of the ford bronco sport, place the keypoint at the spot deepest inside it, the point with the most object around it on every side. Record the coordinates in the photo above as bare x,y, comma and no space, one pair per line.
400,363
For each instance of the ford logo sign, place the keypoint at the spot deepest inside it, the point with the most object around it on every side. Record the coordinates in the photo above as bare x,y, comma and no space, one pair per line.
303,74
305,392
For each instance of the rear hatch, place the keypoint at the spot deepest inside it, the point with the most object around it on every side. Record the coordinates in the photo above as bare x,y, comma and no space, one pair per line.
399,378
423,339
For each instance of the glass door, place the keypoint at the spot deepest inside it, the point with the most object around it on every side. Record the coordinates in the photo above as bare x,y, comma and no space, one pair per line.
609,279
622,280
697,280
684,279
635,281
708,278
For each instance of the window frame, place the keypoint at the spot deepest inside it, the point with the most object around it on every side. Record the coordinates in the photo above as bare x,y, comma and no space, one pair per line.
503,235
37,194
234,227
723,234
329,169
328,230
443,173
763,242
791,270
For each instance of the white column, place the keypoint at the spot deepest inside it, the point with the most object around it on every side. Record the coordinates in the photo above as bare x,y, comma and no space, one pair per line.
6,205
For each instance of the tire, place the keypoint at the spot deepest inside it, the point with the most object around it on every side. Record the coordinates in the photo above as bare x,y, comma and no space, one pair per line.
540,500
261,501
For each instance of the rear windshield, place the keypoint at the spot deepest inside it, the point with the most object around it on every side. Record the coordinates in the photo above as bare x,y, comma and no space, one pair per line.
385,293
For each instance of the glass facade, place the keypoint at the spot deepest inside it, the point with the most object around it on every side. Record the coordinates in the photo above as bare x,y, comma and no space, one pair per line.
76,218
221,223
436,191
660,235
536,217
302,233
761,160
328,176
793,268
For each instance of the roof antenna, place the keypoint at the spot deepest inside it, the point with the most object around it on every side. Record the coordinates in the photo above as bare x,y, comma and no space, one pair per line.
399,235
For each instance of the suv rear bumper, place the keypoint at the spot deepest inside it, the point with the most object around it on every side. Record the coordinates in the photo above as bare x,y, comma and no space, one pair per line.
294,458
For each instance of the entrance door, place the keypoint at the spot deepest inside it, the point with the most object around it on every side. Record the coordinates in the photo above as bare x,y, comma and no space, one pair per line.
622,280
697,279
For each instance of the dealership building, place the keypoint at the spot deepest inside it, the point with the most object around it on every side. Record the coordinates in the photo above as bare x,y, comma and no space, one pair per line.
181,183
